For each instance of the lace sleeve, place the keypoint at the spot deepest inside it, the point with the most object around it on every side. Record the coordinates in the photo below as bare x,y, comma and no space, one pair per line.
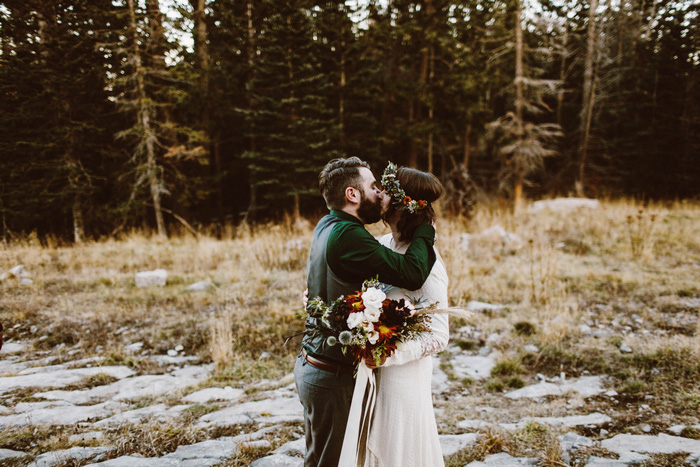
428,343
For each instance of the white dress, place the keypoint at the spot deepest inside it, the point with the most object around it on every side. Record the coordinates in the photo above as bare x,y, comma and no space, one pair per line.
403,429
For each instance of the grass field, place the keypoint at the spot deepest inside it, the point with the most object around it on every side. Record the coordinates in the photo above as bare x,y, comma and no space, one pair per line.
632,270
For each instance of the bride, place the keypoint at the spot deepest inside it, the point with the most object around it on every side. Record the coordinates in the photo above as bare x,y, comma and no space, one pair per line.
403,431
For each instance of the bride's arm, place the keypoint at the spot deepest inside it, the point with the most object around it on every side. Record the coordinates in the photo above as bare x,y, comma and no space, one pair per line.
427,344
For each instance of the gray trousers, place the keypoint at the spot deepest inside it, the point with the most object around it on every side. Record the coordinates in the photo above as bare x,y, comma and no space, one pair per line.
326,400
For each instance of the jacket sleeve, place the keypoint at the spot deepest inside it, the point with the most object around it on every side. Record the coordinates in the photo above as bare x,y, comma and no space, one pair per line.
360,256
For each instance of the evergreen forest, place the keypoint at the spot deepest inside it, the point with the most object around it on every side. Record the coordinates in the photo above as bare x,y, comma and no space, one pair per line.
186,114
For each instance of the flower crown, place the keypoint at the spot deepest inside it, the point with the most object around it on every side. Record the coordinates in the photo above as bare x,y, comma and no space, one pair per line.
398,196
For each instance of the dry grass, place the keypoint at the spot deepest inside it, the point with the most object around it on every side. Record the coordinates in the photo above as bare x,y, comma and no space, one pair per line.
627,267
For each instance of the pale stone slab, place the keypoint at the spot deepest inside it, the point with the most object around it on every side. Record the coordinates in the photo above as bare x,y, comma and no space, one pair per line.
6,454
133,388
659,444
62,415
87,436
13,347
603,462
60,378
214,394
503,459
292,448
152,412
49,459
155,278
284,409
472,424
586,386
565,204
473,366
451,444
198,286
133,461
475,306
278,460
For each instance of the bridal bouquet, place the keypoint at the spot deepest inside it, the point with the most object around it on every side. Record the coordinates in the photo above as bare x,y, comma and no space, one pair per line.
366,323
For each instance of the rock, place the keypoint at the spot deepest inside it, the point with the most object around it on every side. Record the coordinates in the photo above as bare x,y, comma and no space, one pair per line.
63,414
646,428
472,424
631,446
134,461
603,462
172,353
13,347
213,394
179,348
503,459
25,281
475,367
611,393
276,410
60,378
565,204
155,278
586,386
476,306
85,437
278,460
73,455
7,454
198,286
451,444
625,348
133,348
151,412
293,448
531,348
136,387
572,440
592,419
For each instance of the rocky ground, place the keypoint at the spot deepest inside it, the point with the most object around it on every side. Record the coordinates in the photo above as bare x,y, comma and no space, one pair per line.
90,402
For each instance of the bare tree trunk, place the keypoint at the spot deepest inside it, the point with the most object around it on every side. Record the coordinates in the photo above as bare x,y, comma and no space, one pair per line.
519,101
467,145
343,83
145,113
562,74
48,29
431,112
251,102
588,94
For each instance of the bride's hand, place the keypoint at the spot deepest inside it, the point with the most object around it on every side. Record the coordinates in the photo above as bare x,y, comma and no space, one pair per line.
306,298
371,363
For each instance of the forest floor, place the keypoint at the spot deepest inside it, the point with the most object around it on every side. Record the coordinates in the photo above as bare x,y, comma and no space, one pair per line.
584,348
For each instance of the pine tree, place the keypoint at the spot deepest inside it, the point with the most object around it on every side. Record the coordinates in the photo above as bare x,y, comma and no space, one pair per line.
293,123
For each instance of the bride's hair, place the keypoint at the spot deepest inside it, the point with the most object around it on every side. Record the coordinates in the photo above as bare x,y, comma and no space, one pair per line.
419,186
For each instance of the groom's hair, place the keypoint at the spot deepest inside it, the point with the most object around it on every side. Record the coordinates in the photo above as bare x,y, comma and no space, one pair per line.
336,176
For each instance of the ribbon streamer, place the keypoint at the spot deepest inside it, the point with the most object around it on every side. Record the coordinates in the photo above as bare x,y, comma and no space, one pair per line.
360,419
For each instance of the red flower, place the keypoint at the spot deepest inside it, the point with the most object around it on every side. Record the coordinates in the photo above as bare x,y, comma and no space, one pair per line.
421,204
407,200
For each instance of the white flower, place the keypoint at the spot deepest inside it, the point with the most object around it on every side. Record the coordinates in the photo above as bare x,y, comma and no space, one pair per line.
373,337
410,307
355,319
372,314
373,298
367,326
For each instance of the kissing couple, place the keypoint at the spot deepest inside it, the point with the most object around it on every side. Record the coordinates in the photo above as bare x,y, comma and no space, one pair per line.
401,430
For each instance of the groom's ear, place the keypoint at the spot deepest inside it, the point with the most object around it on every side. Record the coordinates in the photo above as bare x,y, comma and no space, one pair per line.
352,195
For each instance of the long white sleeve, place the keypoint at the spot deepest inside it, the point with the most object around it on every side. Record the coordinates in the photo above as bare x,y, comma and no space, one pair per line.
434,290
428,343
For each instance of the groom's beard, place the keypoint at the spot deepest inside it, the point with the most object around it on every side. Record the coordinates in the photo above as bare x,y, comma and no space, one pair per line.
368,211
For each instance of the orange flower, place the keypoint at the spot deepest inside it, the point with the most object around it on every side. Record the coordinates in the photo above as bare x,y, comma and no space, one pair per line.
421,204
407,200
386,332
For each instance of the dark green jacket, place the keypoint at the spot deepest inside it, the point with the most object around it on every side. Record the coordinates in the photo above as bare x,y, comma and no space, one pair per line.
344,254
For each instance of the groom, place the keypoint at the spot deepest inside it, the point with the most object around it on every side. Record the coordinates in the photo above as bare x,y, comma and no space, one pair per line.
344,254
